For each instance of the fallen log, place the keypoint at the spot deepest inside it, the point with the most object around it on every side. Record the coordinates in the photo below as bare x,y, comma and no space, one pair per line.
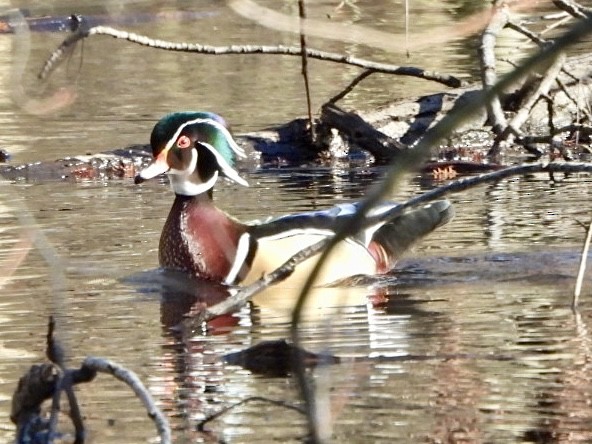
385,131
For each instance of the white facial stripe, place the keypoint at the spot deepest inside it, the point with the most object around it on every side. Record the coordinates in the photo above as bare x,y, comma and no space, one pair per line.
181,185
242,250
237,149
226,169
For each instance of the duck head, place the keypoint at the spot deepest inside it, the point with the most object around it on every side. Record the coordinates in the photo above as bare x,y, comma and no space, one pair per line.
193,149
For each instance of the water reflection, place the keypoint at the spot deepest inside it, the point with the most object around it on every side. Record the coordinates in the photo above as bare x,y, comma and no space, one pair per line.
488,348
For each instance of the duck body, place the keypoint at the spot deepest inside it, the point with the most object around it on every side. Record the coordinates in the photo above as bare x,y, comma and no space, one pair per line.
195,149
199,238
204,241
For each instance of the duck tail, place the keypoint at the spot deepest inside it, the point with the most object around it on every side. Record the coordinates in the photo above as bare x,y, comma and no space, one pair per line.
395,237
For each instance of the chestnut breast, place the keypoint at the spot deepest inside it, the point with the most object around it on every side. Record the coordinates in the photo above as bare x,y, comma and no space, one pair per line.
199,238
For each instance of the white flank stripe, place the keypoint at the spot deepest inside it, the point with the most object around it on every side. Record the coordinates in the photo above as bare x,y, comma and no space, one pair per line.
242,250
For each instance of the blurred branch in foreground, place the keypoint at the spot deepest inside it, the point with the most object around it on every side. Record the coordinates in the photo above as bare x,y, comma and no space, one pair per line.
48,380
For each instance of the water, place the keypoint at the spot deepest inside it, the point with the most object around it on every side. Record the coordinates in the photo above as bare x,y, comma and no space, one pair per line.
472,340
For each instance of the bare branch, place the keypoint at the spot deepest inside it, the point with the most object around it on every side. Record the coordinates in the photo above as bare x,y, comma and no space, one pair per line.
513,127
304,59
499,20
573,8
495,176
387,68
526,32
349,88
132,380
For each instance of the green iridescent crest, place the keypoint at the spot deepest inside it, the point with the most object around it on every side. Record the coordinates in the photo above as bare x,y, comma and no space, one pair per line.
208,129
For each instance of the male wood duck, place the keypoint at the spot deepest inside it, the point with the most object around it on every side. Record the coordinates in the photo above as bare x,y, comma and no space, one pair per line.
194,149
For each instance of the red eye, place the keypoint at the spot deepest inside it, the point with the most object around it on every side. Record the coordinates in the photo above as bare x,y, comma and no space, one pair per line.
183,142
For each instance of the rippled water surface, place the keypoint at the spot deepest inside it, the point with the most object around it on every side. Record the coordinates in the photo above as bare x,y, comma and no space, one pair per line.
471,339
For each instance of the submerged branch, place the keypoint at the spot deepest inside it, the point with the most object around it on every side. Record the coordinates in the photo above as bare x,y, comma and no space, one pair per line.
201,425
386,68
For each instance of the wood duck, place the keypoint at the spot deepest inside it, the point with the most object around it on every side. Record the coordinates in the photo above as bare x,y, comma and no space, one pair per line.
194,149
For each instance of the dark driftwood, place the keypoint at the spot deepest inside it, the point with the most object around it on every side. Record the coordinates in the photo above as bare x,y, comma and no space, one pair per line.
385,131
358,132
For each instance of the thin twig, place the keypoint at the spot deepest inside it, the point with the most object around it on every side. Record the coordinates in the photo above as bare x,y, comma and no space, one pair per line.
526,32
582,268
387,68
561,20
573,100
513,127
236,301
407,28
573,8
304,59
56,355
132,380
75,414
55,409
54,350
349,88
551,121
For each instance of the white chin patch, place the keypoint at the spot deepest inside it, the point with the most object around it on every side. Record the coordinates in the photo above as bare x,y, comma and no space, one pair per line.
181,184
